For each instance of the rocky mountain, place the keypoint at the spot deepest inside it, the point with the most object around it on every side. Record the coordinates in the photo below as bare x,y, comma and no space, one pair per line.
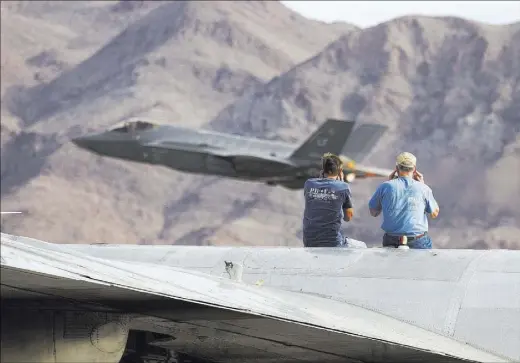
178,52
175,61
447,88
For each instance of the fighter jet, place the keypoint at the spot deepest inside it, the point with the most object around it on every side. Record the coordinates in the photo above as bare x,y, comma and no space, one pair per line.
226,155
65,303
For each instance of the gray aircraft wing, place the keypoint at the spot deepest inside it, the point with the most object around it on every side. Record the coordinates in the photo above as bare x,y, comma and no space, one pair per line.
238,158
222,319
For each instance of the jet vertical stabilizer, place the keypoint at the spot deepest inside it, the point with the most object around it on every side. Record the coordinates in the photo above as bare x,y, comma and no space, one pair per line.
330,137
362,140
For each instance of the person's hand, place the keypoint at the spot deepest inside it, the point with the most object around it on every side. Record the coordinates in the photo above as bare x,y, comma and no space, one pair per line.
392,174
418,176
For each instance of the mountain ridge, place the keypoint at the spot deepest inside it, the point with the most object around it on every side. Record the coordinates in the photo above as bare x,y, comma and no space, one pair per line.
91,181
503,127
438,83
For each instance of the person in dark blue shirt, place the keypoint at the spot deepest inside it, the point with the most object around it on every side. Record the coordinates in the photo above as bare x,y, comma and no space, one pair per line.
406,201
328,201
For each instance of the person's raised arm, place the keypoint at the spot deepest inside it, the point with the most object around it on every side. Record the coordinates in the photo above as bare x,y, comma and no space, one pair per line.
348,208
432,207
374,204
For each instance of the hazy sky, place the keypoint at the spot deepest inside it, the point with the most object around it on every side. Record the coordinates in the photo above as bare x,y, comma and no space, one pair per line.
368,13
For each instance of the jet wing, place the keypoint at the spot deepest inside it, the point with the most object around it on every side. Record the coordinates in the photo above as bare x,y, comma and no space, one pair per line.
179,146
221,319
239,160
243,162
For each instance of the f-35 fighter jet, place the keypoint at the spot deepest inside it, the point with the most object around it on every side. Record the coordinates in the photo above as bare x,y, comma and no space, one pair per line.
233,156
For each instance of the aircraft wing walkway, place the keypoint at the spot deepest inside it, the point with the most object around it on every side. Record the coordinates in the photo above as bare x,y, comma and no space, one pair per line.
220,319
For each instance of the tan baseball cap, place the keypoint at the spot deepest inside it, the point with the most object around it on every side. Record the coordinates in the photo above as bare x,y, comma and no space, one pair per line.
406,159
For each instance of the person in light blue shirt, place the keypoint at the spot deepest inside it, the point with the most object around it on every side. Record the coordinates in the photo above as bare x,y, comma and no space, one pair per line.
406,201
328,201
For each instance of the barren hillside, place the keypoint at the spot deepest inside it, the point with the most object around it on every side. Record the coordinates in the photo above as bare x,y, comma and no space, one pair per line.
174,61
449,91
448,88
170,60
42,39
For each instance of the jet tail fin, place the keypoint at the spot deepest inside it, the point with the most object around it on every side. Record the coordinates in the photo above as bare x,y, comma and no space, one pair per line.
329,137
362,140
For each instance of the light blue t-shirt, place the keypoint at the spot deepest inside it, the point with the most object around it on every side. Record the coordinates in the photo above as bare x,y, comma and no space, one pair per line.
405,204
325,200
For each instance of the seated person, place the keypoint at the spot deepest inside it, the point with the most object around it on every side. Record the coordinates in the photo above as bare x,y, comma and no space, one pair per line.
327,201
405,201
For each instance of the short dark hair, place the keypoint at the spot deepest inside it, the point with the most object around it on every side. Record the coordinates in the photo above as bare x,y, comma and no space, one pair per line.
331,164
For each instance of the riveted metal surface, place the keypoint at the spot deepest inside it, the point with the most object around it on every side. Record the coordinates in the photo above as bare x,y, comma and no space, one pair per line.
290,268
489,315
370,263
412,301
370,279
500,260
366,263
302,336
496,330
493,290
329,291
178,256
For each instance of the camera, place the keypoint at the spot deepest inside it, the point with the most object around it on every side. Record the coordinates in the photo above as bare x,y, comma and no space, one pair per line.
344,176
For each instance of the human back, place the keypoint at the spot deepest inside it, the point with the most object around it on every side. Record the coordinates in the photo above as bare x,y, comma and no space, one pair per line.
327,202
324,201
404,203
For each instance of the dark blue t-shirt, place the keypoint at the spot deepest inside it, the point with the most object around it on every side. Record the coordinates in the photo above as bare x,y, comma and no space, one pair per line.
325,200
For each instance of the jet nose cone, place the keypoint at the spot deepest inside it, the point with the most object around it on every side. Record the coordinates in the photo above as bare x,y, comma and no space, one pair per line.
81,142
88,142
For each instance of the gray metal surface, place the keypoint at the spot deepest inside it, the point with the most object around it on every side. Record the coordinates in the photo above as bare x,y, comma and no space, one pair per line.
207,152
468,295
327,304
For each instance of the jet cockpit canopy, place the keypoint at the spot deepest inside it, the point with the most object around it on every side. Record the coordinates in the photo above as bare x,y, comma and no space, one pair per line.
133,125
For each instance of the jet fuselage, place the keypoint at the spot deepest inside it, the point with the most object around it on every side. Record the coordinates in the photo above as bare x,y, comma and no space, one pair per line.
214,153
